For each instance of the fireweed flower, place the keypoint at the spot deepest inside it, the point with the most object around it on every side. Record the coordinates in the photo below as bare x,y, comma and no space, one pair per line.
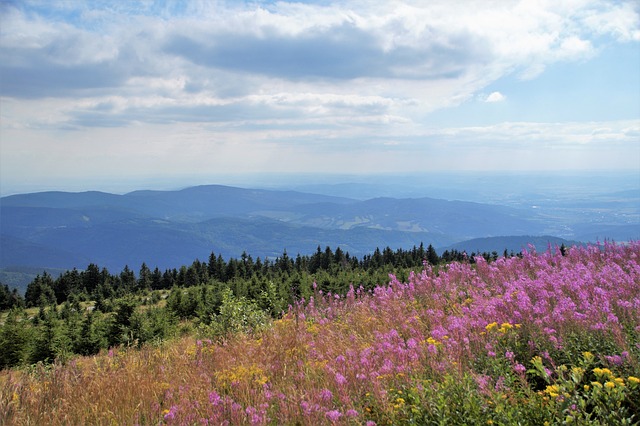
519,368
214,398
340,379
352,413
333,415
326,395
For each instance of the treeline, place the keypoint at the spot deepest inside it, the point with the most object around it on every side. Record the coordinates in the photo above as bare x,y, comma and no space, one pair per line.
99,284
83,312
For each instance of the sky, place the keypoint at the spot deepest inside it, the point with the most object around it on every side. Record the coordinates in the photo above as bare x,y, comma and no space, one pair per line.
105,93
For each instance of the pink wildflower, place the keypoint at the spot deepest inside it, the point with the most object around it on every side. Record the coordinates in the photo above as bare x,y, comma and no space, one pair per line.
326,395
333,415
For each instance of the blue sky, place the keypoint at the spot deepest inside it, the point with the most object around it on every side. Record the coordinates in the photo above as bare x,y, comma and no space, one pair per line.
104,92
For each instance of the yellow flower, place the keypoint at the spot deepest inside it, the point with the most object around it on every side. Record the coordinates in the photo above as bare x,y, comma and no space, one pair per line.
633,379
619,381
552,390
491,326
596,384
602,372
506,326
586,388
588,356
432,341
610,385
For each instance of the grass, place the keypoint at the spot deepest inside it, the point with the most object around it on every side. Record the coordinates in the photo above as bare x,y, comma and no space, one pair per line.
542,339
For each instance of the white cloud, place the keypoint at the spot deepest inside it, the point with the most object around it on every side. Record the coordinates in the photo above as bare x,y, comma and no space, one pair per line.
495,97
280,74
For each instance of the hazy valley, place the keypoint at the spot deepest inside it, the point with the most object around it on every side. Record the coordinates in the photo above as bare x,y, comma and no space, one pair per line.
167,229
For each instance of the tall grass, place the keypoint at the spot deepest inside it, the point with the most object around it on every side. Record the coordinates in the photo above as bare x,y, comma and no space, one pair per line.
540,339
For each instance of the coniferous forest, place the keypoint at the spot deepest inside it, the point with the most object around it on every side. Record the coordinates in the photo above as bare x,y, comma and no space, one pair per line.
83,311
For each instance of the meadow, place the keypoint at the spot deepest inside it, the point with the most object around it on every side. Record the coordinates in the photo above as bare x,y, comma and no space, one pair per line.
545,338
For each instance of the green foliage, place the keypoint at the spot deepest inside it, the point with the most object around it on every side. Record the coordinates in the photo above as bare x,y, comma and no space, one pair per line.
13,339
51,340
40,291
9,299
93,335
237,315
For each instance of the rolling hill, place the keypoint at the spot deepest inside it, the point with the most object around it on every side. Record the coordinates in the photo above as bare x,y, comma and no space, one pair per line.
170,228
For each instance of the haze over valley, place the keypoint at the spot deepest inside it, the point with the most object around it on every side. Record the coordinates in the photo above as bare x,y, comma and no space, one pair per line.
168,229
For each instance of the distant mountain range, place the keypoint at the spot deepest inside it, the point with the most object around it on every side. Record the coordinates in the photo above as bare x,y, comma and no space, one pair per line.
63,230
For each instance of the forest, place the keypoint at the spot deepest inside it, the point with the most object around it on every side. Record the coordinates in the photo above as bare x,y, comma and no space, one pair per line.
84,311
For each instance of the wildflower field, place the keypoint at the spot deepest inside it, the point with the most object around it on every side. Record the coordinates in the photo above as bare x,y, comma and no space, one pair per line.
545,338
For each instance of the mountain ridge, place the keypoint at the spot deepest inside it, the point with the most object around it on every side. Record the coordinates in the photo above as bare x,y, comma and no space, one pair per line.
57,229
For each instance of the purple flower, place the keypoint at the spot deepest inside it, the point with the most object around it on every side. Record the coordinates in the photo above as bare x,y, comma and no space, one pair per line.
333,415
519,368
214,398
326,395
171,414
340,379
352,413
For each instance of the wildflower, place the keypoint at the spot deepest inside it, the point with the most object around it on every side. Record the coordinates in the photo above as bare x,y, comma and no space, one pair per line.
333,415
214,398
586,388
634,380
602,372
504,327
352,413
326,395
370,423
519,368
614,359
491,326
609,385
619,381
340,379
170,414
552,390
